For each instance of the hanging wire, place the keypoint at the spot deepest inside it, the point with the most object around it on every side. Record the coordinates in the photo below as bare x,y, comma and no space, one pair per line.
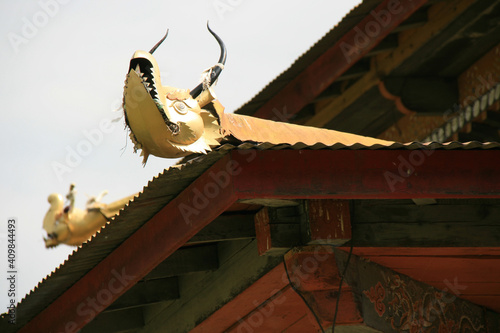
300,294
338,292
340,287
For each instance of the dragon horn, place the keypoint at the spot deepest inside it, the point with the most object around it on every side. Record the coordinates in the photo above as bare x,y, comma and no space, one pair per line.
217,69
158,44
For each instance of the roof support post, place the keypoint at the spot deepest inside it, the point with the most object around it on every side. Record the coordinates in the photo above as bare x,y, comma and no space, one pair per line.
328,222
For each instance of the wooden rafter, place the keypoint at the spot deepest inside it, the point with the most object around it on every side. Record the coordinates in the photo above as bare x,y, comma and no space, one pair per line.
440,15
309,84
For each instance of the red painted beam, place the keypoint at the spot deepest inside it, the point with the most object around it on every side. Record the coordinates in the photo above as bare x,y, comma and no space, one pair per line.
338,59
199,204
368,174
268,290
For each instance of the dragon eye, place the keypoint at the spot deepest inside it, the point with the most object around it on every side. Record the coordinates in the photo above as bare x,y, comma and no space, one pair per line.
180,107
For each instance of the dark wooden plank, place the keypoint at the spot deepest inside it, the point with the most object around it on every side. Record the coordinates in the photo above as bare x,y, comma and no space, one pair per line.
442,270
440,225
368,174
277,229
204,294
426,235
417,19
429,95
225,228
186,260
147,292
477,214
387,44
439,55
123,321
358,69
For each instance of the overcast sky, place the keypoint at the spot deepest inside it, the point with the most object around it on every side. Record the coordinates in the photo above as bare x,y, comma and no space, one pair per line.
63,66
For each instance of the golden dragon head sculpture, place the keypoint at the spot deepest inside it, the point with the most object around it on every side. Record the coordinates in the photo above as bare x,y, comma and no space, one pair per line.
165,121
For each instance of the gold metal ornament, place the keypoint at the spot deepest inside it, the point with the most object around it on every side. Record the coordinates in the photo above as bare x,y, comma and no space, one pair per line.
165,121
66,224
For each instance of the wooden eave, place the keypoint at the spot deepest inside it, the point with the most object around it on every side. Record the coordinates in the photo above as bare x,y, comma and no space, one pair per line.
265,175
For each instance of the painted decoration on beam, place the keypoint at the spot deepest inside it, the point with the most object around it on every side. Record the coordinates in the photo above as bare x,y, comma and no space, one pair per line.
393,302
410,308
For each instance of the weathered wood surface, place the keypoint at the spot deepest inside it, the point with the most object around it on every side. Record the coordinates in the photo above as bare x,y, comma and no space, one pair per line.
205,293
336,61
227,227
443,225
144,293
326,222
410,43
277,229
121,321
393,302
186,260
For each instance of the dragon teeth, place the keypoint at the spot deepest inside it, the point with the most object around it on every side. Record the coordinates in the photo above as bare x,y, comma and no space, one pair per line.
138,69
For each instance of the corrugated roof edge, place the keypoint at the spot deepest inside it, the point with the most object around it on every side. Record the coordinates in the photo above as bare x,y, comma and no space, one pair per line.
453,145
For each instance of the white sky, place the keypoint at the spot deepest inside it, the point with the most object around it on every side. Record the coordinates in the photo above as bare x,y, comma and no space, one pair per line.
63,65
